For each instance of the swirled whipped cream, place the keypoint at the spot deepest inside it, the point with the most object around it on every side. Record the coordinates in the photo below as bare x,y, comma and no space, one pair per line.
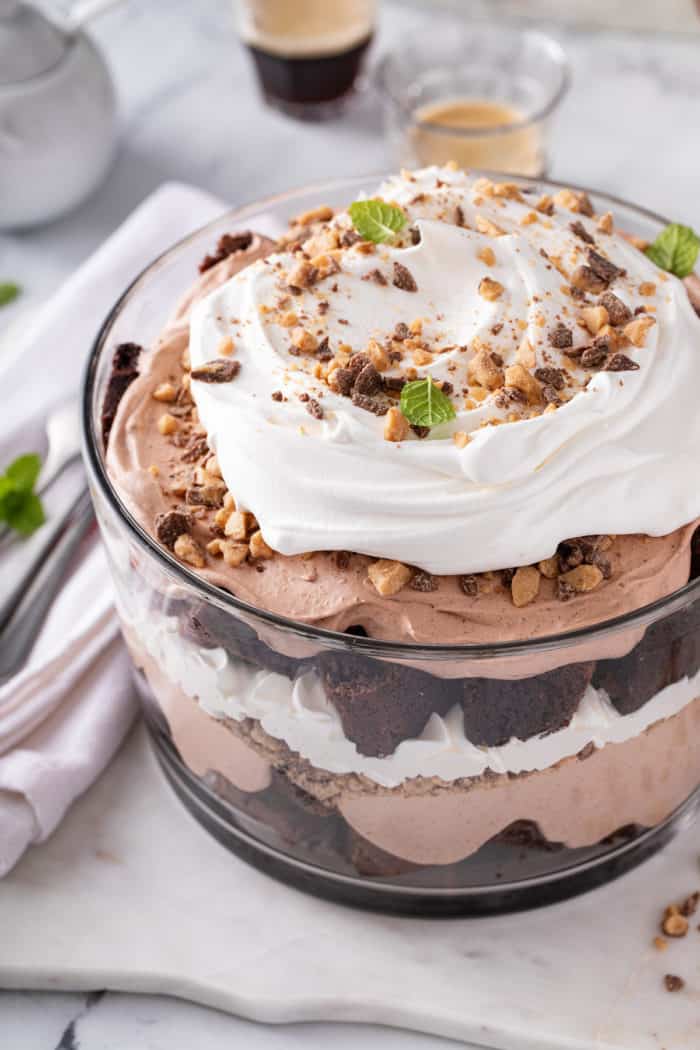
571,361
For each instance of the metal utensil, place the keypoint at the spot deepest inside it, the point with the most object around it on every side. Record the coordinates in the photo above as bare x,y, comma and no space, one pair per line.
42,580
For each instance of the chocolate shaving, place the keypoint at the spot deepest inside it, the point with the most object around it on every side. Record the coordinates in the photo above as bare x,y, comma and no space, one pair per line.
420,432
403,278
560,337
469,585
621,363
580,230
586,279
459,216
323,351
223,370
171,524
227,245
424,582
206,495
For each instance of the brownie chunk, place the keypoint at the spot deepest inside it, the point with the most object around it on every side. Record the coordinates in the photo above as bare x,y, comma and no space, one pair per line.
668,652
380,704
211,628
124,371
496,710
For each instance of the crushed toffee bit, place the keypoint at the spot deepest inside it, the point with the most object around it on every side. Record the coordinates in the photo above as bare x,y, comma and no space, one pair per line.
277,395
424,582
349,237
171,524
195,449
621,363
403,278
602,267
595,355
585,279
618,312
560,337
227,245
401,332
690,905
580,231
324,352
370,404
211,495
223,370
314,408
376,276
469,585
565,591
555,377
368,381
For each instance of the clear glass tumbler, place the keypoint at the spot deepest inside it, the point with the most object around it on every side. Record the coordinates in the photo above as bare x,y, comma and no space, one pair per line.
309,752
479,95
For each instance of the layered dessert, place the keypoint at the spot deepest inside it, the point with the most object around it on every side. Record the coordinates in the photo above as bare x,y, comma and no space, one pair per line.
440,446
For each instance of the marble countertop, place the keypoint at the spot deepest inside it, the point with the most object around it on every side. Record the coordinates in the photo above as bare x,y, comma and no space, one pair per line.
190,112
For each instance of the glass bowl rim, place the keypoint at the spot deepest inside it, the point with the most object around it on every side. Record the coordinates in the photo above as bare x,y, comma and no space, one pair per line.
552,46
408,651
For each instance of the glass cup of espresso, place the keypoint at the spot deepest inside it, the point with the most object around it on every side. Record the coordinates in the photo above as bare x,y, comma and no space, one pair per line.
307,53
481,96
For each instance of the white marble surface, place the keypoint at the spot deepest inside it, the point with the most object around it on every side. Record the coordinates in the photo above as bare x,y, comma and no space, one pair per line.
189,111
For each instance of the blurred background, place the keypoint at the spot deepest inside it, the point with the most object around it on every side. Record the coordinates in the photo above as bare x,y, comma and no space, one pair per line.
622,80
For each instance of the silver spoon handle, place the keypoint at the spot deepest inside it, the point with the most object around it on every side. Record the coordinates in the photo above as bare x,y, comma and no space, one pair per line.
21,629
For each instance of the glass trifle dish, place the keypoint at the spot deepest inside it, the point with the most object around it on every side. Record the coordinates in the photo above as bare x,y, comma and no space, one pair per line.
400,501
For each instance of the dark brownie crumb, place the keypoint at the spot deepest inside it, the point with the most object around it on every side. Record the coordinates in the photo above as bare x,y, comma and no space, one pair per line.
561,337
564,590
403,278
227,245
469,585
171,524
222,370
401,332
673,983
420,432
424,582
368,381
277,395
585,279
690,905
594,356
124,372
580,230
396,383
206,495
621,363
314,408
618,312
196,448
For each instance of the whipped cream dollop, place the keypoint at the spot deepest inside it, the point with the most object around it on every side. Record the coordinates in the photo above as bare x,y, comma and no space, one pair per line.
600,451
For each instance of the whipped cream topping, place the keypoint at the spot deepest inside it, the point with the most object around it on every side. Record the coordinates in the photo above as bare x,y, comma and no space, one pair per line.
300,714
616,456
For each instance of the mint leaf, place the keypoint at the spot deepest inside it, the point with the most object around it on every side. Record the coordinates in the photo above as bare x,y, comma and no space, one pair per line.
675,249
27,515
24,471
8,292
424,404
20,507
376,221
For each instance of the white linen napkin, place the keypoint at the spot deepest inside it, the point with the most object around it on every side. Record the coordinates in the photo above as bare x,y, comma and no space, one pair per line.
63,716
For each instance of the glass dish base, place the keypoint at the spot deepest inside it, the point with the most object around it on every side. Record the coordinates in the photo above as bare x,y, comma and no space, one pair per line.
500,877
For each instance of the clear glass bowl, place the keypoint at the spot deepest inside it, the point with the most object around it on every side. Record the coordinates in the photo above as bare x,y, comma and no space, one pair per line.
259,722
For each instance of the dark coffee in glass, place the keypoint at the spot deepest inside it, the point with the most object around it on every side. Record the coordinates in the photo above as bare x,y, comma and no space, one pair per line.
307,54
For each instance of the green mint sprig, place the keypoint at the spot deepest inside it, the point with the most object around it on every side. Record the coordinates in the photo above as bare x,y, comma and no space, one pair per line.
675,249
20,507
8,292
424,404
376,221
